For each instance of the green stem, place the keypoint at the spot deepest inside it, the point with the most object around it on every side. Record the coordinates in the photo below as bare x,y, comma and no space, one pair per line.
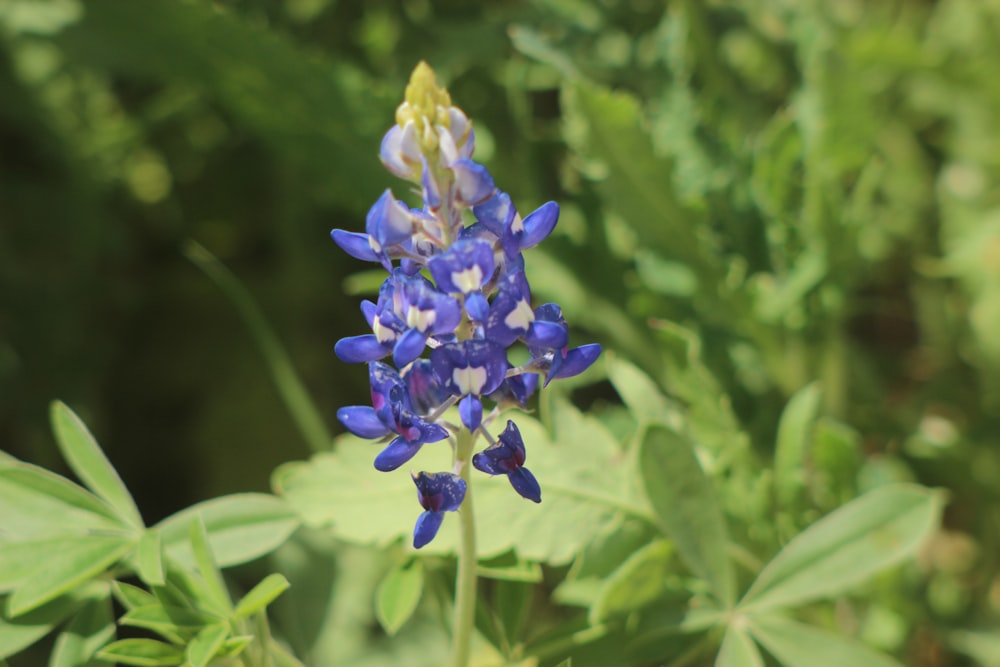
465,581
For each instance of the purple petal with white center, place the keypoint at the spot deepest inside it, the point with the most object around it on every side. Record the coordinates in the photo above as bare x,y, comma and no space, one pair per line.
362,421
396,453
428,309
355,244
496,213
473,183
470,409
511,313
574,362
525,484
360,349
548,335
426,528
538,225
477,307
470,367
389,221
464,267
409,346
439,491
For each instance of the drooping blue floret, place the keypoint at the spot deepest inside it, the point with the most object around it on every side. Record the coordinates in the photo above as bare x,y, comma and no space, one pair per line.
507,457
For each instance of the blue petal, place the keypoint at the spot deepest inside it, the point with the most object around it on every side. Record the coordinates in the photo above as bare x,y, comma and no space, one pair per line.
576,361
471,410
428,524
355,244
477,307
362,421
473,182
439,491
496,213
396,453
432,193
359,349
389,221
525,484
548,335
409,346
539,225
487,464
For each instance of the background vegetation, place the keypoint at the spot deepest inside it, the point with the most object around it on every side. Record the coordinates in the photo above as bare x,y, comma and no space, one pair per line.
771,208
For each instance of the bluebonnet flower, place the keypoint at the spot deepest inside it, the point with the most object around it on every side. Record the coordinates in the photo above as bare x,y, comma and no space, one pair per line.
506,457
474,307
438,492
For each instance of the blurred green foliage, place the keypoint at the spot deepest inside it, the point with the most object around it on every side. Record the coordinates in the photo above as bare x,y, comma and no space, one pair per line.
786,214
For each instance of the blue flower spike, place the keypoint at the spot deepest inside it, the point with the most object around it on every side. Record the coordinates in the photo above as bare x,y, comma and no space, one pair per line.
437,492
506,457
458,290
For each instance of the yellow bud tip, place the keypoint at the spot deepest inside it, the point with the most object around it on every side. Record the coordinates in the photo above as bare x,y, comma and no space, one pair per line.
423,93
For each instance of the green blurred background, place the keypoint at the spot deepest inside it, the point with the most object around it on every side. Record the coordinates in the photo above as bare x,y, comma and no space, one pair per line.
811,187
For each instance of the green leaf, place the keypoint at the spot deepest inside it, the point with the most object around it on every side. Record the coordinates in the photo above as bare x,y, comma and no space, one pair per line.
235,645
166,620
398,595
91,628
798,645
206,645
794,435
640,580
738,650
261,595
241,527
131,596
36,503
584,478
62,564
149,558
26,629
687,508
849,545
142,653
85,457
213,591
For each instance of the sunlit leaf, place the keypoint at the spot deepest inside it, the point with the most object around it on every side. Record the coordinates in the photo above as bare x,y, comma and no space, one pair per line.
241,527
794,434
142,653
738,650
85,457
91,628
398,595
261,595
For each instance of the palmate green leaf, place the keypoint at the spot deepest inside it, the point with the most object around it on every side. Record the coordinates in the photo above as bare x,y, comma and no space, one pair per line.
261,595
582,471
241,527
91,628
26,629
640,394
85,457
398,594
687,508
142,653
606,129
866,535
738,650
799,645
62,564
131,596
169,621
794,435
36,503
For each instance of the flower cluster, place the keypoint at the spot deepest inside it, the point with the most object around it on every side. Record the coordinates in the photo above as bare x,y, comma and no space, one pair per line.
460,291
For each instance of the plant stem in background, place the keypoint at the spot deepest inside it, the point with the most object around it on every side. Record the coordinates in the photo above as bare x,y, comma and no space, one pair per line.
465,581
